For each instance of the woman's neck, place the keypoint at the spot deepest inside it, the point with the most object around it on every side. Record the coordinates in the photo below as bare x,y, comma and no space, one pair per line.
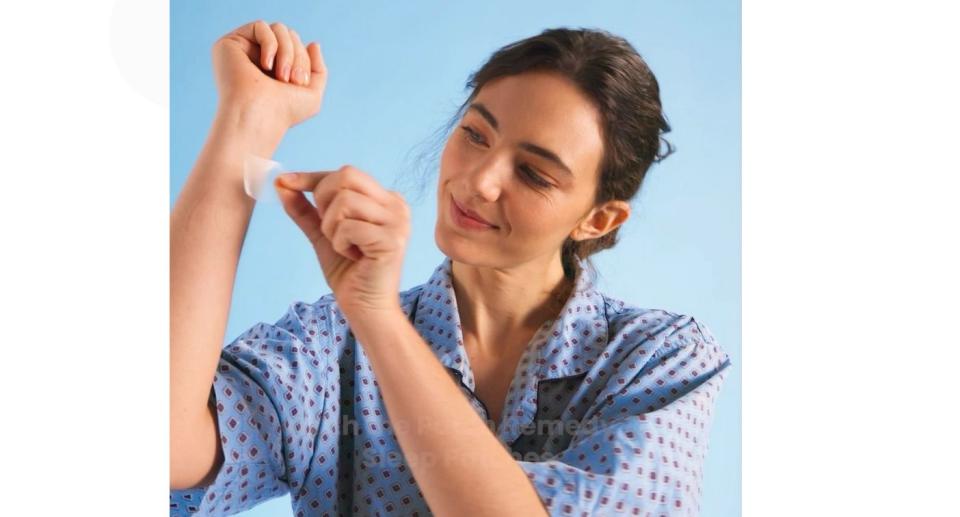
495,304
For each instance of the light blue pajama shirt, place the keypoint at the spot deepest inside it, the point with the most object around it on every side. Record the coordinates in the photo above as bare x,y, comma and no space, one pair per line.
608,412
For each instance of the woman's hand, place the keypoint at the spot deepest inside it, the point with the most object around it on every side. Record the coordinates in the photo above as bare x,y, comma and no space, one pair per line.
359,231
267,69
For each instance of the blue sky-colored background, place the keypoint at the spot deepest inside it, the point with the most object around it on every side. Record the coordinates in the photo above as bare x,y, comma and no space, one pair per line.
397,72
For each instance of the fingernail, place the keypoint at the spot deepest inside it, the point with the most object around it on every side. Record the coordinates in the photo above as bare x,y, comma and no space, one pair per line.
287,178
297,75
285,73
306,78
270,62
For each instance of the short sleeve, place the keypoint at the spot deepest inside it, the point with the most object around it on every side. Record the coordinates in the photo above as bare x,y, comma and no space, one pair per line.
641,450
269,394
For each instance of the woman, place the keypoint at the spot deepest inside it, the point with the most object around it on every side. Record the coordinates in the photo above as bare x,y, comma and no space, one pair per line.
513,386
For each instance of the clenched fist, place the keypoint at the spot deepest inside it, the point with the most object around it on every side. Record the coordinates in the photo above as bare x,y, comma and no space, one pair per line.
267,68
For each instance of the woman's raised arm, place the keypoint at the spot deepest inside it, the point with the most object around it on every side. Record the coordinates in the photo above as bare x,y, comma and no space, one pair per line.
267,82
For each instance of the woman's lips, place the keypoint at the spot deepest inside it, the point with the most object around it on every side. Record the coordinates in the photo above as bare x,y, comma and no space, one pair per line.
463,220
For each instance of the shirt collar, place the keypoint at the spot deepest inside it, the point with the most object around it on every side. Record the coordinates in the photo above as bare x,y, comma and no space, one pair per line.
564,346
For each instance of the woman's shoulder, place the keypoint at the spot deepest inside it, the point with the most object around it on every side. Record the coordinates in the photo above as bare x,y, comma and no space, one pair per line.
657,357
657,331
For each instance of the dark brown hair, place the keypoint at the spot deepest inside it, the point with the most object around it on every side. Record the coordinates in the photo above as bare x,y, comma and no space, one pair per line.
610,72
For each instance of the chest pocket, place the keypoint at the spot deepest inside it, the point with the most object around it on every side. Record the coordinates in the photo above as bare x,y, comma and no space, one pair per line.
551,430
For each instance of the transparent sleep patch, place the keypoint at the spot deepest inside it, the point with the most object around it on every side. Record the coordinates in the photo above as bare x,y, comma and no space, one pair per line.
258,177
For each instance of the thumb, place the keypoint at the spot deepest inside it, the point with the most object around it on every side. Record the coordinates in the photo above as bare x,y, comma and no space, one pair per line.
305,215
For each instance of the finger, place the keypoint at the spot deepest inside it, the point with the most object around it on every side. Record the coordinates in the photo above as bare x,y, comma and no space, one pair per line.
303,181
356,239
246,30
244,37
350,178
268,43
304,215
318,67
342,244
401,203
325,184
285,51
349,204
301,63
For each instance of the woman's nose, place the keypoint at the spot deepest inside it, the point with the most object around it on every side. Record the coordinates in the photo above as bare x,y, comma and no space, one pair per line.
488,177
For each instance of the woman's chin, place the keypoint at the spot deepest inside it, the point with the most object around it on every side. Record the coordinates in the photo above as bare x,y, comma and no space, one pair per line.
458,247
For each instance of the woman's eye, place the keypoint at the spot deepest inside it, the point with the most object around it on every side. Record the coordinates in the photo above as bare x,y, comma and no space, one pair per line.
528,172
473,135
534,177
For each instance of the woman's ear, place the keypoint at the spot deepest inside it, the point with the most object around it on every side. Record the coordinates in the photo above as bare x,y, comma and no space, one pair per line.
602,220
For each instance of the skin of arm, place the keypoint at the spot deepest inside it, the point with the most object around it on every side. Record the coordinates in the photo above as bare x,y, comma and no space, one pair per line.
207,228
457,461
267,82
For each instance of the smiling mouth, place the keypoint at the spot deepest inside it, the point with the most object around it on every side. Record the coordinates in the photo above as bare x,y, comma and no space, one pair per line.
465,220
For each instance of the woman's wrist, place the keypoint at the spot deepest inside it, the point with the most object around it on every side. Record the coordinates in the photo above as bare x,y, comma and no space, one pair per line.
374,326
254,129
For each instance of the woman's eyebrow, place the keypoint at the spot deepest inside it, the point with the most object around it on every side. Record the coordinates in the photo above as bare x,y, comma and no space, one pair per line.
485,113
533,148
548,154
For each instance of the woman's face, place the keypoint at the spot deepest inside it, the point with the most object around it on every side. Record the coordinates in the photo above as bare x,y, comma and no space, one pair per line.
525,157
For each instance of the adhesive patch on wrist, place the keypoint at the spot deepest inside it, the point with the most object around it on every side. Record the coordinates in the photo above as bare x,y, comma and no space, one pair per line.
258,177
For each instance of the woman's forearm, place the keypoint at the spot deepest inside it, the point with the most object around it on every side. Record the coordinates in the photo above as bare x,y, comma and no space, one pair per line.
457,461
207,229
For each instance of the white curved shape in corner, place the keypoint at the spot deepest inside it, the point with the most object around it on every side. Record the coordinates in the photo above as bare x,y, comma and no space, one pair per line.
139,47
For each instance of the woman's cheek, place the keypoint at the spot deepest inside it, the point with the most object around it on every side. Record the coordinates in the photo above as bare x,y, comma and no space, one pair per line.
451,163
